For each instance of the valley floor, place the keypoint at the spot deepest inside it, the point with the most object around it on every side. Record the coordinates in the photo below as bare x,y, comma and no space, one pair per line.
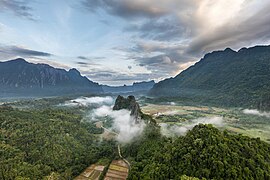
233,120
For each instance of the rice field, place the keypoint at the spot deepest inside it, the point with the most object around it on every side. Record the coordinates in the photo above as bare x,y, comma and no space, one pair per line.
118,170
93,172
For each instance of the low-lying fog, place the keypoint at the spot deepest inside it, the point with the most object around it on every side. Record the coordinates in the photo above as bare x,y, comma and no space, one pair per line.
175,130
88,101
124,125
256,112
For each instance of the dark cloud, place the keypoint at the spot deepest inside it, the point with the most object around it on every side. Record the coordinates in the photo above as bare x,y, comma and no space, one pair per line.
19,8
125,9
27,52
163,29
161,58
90,58
162,66
88,61
82,63
82,57
14,51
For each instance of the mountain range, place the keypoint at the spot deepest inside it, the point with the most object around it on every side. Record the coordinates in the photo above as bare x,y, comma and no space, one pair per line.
21,78
229,78
144,86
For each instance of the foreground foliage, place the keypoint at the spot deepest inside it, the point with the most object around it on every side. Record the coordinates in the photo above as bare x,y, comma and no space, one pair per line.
58,144
204,152
53,143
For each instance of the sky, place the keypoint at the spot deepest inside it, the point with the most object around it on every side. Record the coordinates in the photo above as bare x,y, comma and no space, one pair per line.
118,42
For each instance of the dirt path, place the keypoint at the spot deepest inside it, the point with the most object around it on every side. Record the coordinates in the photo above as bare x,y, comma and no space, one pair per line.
120,155
119,148
105,129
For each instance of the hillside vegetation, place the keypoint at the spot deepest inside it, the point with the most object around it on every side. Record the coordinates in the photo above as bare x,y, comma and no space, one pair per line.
39,143
227,78
204,152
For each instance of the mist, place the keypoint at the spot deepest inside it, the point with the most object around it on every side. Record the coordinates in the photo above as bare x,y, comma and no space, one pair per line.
123,124
256,112
175,130
88,101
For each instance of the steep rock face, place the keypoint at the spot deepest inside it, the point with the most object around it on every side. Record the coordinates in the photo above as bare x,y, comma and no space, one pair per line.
129,103
20,77
223,77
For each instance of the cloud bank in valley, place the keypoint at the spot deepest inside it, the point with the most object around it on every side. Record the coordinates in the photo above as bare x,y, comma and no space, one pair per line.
256,112
123,124
176,130
88,101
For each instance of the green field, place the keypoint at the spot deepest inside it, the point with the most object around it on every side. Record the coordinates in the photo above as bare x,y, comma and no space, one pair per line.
234,120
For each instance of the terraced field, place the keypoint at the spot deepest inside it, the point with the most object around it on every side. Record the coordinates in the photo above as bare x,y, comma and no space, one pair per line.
118,170
92,172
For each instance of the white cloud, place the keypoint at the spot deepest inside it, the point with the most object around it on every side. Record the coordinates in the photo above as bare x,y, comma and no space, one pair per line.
88,101
123,123
256,112
175,130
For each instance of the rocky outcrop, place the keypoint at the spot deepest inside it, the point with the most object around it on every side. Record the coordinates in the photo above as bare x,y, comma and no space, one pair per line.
129,103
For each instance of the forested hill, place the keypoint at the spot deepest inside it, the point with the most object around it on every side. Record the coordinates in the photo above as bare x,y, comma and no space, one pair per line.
204,152
224,77
19,77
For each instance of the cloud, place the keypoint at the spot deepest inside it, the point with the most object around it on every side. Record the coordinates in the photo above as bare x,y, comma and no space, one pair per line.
89,101
256,112
19,8
125,9
123,123
28,52
162,29
82,63
82,57
175,130
176,33
163,58
113,77
251,30
8,52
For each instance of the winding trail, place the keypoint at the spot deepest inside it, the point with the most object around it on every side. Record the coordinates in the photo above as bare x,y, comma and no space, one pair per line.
118,146
120,155
105,129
